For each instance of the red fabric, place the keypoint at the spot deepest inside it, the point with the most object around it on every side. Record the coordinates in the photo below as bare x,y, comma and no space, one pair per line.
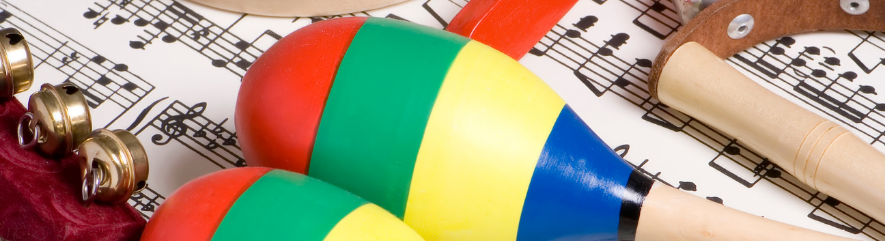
40,197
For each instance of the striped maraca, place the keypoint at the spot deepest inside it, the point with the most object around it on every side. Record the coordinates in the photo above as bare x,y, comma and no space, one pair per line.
458,140
256,203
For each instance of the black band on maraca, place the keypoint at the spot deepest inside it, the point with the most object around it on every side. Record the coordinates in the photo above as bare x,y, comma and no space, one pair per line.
638,186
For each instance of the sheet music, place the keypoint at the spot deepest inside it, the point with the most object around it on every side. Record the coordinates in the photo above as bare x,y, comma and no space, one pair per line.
169,72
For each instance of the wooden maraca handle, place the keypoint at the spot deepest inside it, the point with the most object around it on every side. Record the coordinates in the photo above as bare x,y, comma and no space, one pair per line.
670,214
815,150
689,75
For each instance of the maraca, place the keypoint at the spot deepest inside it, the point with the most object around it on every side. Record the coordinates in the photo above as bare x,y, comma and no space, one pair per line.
255,203
458,140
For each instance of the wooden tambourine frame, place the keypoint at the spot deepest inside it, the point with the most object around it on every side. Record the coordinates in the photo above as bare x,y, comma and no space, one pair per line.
690,75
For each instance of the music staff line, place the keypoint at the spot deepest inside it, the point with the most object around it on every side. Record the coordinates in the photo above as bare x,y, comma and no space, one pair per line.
870,120
867,40
658,19
98,70
178,23
146,201
179,122
566,55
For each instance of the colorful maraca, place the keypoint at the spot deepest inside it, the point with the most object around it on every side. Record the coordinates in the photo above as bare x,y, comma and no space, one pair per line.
458,140
256,203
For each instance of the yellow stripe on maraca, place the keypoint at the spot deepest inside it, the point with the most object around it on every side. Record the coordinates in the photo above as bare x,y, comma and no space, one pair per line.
487,128
371,222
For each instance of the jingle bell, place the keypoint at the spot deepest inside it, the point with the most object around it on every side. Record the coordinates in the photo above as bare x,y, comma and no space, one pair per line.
113,165
17,70
58,120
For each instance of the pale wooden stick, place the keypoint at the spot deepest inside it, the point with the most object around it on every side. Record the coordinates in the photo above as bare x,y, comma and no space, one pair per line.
297,8
670,214
815,150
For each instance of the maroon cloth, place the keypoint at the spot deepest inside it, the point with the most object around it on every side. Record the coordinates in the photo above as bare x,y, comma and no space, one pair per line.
40,197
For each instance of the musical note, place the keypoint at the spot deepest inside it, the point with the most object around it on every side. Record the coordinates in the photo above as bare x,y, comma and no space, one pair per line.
568,33
867,54
67,59
188,126
586,22
828,211
146,201
747,163
767,168
123,3
657,19
118,20
198,33
688,186
840,107
766,67
99,78
715,199
174,126
88,14
622,151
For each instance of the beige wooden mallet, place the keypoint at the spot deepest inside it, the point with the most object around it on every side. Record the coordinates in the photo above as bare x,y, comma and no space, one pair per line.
690,75
297,8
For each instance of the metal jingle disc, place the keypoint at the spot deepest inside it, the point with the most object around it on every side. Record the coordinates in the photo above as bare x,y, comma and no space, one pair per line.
62,115
119,159
298,8
17,70
687,9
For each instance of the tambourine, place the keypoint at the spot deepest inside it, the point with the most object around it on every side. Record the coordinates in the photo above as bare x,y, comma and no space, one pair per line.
690,75
458,140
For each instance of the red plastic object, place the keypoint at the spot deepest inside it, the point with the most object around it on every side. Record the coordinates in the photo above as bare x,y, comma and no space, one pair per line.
207,198
296,74
40,197
510,26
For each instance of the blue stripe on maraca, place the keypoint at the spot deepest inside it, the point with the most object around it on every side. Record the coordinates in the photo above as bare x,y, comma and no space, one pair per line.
577,187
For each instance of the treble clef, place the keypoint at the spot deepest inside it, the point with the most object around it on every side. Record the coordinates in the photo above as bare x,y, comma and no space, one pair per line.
174,126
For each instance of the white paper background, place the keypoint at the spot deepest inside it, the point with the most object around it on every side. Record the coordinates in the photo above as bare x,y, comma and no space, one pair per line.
182,71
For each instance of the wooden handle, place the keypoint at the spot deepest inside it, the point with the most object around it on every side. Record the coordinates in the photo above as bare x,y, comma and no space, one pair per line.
815,150
670,214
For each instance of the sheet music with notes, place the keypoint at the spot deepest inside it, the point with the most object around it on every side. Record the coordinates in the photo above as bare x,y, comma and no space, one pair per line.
169,72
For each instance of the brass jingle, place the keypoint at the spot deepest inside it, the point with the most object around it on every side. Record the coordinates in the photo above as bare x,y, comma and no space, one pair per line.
17,70
62,114
122,162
